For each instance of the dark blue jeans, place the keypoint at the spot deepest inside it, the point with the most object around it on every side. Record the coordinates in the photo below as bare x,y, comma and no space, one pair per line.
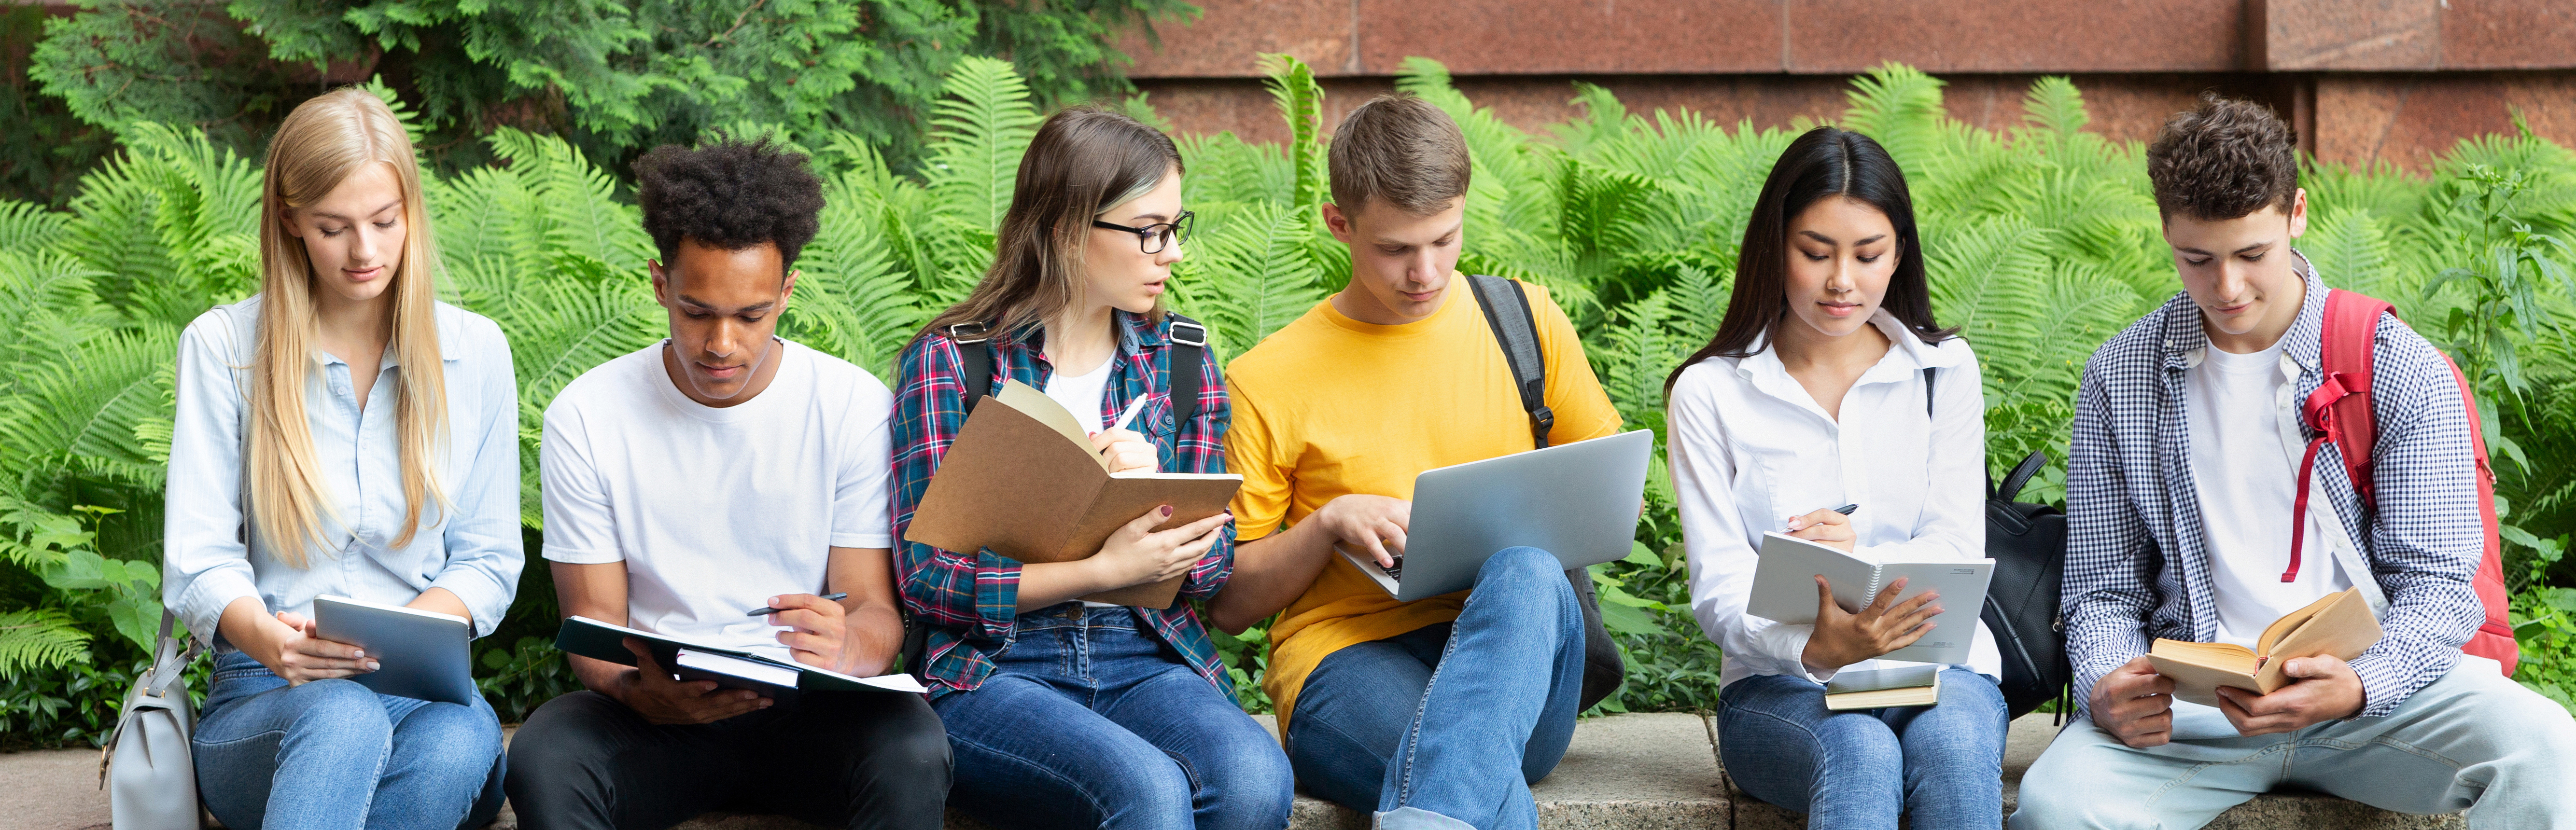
1447,726
1090,722
1942,764
333,754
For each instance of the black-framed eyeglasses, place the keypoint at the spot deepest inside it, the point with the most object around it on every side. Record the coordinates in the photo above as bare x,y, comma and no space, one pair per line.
1154,238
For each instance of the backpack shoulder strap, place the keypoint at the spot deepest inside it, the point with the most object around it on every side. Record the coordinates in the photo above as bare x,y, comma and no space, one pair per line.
1188,350
1507,313
1930,375
2340,408
975,360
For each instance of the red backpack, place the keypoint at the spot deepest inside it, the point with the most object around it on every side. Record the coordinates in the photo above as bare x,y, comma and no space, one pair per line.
2340,411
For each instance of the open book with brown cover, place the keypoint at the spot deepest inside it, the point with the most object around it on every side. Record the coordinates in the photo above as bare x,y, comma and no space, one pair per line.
1021,478
2339,624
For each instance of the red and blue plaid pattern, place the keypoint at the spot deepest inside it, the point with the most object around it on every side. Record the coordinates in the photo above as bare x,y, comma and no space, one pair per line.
970,599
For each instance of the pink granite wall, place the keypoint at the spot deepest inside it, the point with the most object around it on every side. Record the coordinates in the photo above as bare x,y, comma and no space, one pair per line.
2394,81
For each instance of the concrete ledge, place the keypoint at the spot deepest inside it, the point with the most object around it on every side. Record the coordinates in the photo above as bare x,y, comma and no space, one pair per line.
1623,772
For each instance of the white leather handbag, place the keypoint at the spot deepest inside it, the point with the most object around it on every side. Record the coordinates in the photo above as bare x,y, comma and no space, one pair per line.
148,768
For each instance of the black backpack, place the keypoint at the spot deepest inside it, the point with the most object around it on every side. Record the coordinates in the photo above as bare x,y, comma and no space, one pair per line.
2028,544
976,369
1507,312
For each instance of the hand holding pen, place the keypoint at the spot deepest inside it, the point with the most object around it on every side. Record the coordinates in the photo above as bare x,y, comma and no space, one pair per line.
1127,451
1830,527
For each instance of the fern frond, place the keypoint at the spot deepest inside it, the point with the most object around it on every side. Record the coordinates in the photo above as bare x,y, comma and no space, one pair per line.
29,227
2055,107
39,639
1301,101
1900,106
1253,276
982,124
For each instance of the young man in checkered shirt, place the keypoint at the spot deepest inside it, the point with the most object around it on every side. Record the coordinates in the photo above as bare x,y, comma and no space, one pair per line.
2180,509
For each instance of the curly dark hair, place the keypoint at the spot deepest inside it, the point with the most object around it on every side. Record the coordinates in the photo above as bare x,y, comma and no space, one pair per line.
2224,159
730,194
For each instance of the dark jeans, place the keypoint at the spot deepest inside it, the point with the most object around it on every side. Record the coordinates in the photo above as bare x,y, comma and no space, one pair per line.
1448,725
1089,722
871,760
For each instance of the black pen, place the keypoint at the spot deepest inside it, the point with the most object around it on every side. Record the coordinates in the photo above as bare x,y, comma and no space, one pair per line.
826,598
1847,509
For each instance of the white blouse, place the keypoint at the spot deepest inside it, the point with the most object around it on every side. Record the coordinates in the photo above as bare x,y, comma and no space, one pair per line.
474,553
1750,448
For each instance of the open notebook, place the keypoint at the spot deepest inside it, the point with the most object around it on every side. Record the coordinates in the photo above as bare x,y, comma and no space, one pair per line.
1021,478
696,661
1784,589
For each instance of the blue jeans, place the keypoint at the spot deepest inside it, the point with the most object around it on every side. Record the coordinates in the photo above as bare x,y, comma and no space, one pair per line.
1942,764
1089,721
1447,726
332,754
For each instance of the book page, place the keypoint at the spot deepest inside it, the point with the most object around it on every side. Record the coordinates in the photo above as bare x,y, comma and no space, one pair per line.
2340,625
1035,404
1962,586
1784,580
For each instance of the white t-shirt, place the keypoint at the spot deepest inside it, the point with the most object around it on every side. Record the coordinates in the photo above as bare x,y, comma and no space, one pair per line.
2237,408
714,511
1082,396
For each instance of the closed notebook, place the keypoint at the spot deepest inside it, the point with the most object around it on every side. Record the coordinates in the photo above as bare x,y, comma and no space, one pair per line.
1021,478
1784,590
1883,688
2340,624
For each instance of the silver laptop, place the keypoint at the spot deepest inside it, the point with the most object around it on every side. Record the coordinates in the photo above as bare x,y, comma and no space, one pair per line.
1578,501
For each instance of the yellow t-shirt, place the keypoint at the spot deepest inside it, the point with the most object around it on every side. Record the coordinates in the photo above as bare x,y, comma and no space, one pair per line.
1329,406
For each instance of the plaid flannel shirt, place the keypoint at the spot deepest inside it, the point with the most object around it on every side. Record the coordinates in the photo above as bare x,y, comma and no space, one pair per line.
970,599
2137,563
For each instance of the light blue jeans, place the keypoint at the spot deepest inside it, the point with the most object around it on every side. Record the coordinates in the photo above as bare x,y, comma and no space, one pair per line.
1090,722
1941,764
332,755
2472,740
1446,727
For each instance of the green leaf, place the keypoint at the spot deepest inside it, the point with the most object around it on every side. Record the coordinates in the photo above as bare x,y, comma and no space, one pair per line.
1639,554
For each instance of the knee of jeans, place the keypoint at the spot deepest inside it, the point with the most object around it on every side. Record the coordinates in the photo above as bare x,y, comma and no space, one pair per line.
1528,572
2058,794
1253,779
462,735
340,706
1854,735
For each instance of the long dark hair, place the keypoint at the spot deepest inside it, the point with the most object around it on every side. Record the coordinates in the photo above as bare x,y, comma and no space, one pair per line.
1082,161
1824,162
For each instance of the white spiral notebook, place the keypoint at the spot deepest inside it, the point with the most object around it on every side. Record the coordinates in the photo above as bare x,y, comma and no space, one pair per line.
1784,589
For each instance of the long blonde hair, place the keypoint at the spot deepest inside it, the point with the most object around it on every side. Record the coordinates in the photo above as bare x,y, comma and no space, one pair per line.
321,143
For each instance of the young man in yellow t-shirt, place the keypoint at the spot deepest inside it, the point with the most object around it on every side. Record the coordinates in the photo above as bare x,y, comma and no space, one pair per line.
1436,713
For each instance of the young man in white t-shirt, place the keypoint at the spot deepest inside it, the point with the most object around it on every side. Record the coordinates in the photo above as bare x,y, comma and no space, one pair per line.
2181,494
717,472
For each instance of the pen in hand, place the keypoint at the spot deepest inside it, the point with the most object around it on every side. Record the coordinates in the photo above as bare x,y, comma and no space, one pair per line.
826,598
1134,408
1845,510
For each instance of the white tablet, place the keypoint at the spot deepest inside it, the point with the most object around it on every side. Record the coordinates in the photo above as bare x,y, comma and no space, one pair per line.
420,654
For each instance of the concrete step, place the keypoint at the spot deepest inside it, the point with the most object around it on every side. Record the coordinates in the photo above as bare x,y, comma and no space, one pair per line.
1623,772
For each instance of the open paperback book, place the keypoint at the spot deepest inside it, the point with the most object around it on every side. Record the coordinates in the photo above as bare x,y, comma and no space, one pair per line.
1784,589
729,667
2340,624
1021,478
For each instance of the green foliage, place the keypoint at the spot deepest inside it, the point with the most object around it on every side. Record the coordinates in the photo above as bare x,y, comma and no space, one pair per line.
612,77
2040,242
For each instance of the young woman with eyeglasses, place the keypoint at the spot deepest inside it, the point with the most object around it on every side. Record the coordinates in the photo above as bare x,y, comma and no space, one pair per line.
1062,711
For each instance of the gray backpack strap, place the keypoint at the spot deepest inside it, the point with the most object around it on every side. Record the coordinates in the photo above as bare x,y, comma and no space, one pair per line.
1507,313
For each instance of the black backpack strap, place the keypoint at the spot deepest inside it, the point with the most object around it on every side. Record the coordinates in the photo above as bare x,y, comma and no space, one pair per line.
975,365
1189,349
1929,375
1507,313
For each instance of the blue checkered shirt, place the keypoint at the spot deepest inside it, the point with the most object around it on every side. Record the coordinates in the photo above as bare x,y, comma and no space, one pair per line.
2137,562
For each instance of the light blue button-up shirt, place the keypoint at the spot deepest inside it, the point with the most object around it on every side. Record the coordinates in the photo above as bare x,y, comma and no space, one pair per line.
473,552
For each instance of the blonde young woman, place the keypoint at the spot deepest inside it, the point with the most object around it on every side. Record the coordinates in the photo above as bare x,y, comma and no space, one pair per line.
340,433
